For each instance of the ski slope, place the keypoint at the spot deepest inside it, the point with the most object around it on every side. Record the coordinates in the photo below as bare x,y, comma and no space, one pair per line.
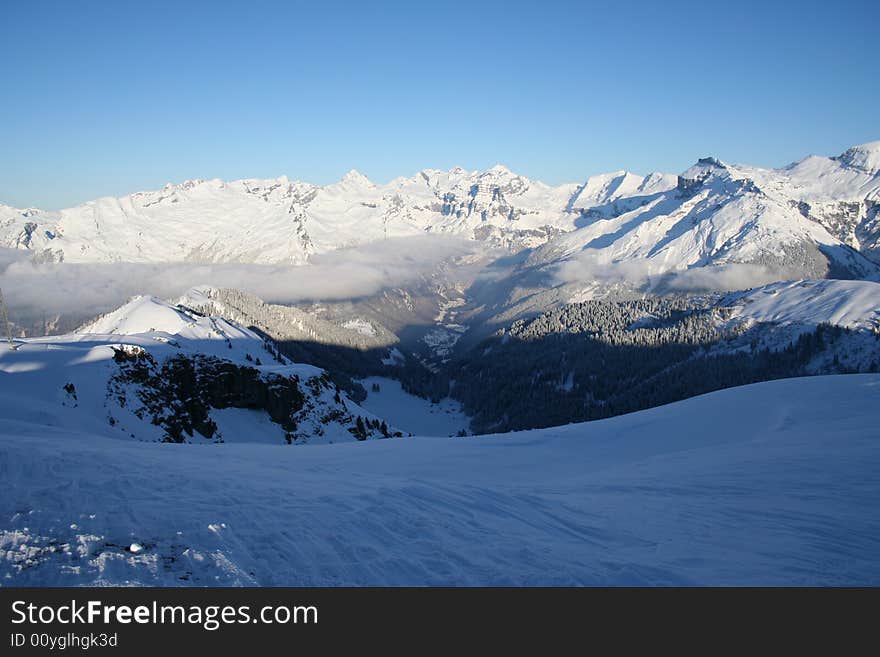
774,483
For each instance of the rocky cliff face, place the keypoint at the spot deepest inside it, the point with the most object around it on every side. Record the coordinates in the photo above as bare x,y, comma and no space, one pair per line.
855,223
179,394
692,179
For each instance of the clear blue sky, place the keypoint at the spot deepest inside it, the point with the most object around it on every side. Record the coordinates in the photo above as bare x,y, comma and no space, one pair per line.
113,97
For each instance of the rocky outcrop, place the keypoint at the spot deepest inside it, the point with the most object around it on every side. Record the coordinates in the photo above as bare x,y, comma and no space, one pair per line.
692,179
179,394
855,223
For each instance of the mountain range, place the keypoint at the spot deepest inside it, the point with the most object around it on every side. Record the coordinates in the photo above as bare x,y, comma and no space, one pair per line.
816,217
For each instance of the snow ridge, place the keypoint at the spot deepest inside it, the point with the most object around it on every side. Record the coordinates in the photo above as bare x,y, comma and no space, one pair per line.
117,375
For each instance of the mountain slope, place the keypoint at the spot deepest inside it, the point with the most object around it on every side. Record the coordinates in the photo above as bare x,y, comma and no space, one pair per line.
812,219
153,371
279,221
768,484
850,304
598,359
275,221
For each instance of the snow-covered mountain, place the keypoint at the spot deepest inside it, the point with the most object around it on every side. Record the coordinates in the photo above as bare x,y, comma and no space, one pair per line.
849,304
153,371
813,217
280,221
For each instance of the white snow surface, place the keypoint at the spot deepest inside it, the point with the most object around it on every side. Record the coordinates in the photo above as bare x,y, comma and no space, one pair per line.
773,483
851,304
412,413
283,221
360,325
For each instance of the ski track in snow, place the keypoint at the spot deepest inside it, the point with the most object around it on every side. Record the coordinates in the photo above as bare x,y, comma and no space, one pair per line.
773,483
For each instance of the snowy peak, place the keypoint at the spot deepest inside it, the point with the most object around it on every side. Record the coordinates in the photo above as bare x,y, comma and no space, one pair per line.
865,157
152,319
141,314
608,188
355,177
500,170
705,165
815,219
705,168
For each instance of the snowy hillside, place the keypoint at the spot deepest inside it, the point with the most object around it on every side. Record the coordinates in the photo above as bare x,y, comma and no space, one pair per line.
766,484
599,358
286,323
851,304
153,371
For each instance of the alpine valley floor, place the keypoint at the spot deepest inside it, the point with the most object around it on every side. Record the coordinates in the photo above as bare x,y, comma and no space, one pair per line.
768,484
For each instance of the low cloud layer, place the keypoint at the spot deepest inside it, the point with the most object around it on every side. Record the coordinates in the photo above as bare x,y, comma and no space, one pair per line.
720,278
89,289
81,291
646,275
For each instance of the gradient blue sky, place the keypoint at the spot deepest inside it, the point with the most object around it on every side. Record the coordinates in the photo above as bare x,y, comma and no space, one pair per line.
113,97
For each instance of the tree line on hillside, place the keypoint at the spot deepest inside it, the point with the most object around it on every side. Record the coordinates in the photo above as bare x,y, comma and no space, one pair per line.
598,359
